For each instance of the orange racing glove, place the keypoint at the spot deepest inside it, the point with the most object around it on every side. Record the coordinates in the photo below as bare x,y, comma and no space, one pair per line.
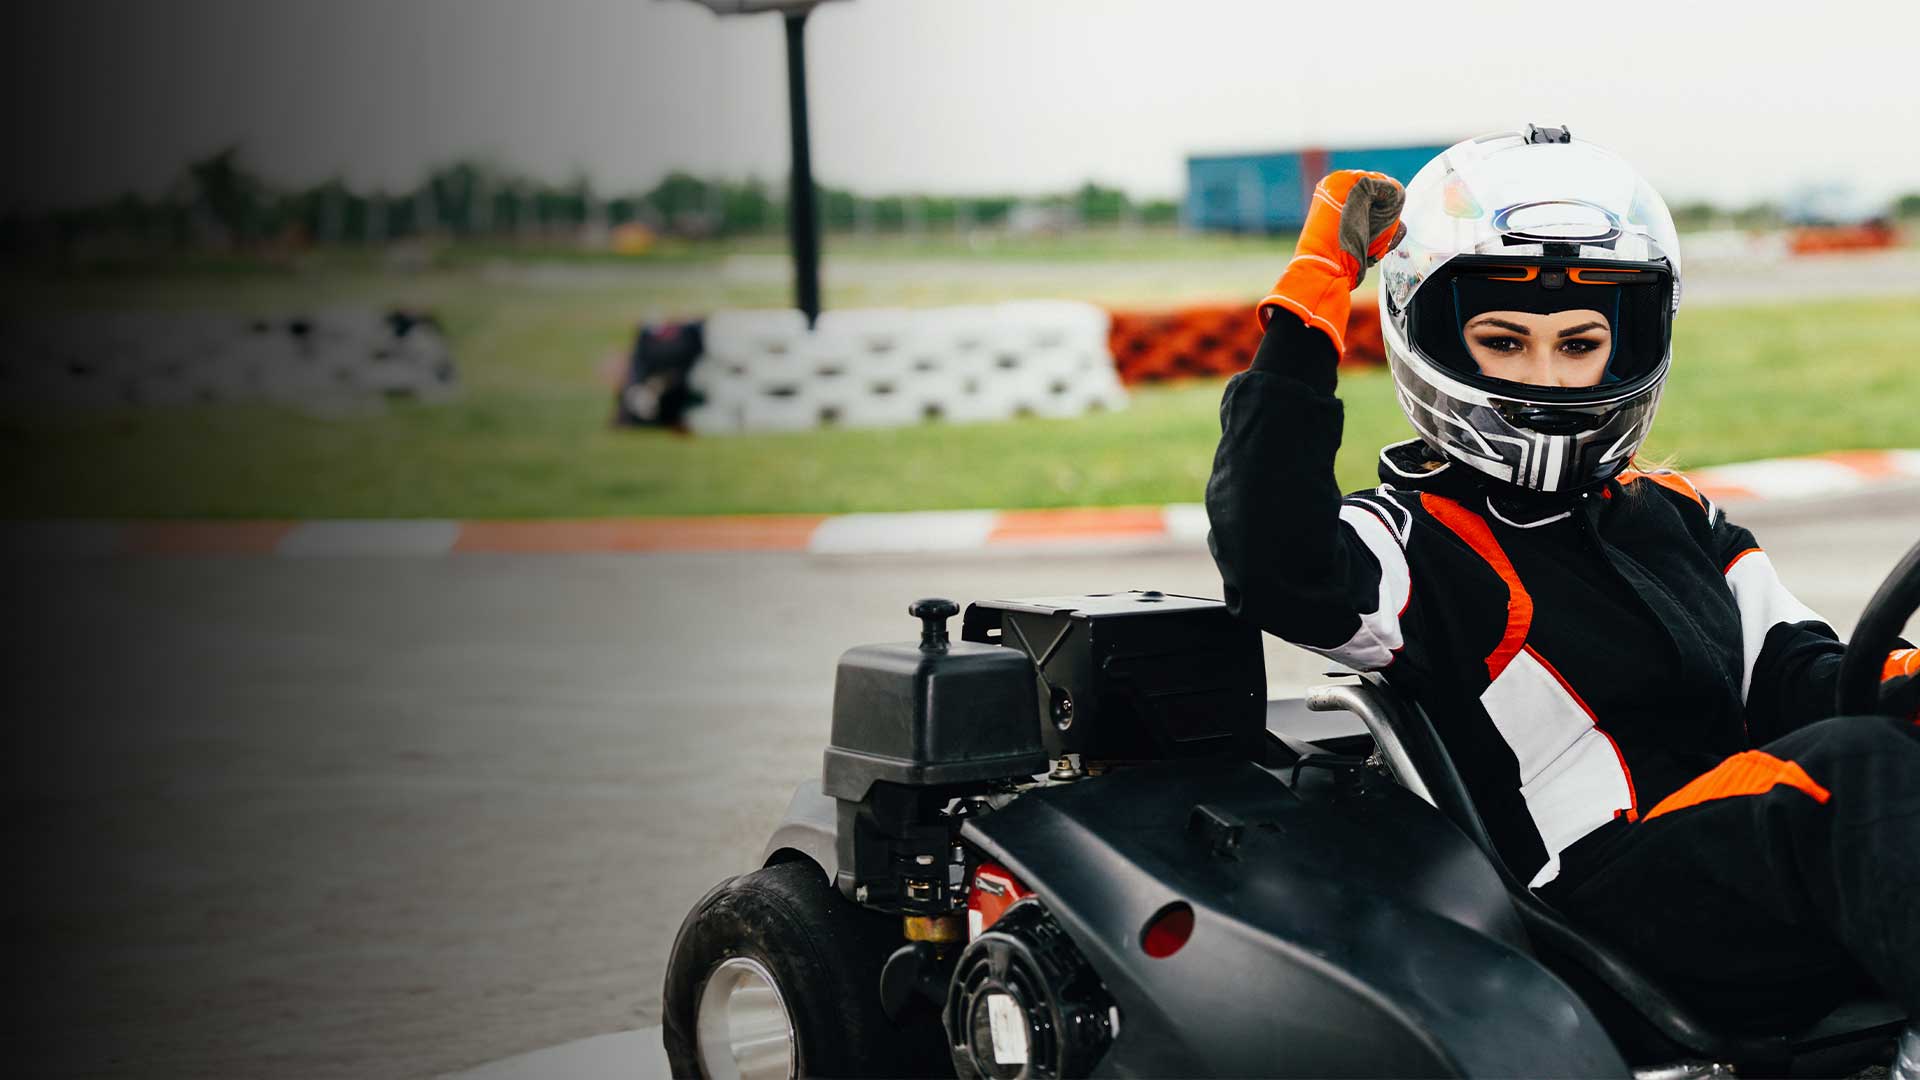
1353,221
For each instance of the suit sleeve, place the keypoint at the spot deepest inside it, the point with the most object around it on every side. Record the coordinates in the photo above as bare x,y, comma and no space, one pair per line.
1790,656
1296,559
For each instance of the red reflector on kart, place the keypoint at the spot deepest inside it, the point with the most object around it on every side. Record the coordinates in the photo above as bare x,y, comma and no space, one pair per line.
1167,931
995,889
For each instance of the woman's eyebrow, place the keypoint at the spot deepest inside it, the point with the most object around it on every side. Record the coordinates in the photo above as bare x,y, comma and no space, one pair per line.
1583,328
1503,324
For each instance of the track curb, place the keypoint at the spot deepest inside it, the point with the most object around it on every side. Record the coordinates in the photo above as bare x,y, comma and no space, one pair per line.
1174,526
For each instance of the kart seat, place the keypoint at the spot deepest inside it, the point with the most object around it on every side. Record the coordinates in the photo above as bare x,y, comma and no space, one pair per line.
1648,1022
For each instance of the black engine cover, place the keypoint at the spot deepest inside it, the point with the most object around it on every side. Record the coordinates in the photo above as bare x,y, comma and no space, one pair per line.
1135,676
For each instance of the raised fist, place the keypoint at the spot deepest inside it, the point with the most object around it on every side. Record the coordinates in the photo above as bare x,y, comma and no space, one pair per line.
1353,221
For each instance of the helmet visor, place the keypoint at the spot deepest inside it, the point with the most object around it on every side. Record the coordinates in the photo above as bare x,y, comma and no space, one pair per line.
1608,325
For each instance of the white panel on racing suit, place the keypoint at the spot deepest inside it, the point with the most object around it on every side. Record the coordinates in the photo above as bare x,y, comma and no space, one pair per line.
1764,604
1571,774
1372,645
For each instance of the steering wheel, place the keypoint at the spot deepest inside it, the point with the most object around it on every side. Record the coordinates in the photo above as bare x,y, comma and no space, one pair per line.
1858,688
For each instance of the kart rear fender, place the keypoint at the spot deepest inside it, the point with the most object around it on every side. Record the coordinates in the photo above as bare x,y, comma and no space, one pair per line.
807,830
1363,936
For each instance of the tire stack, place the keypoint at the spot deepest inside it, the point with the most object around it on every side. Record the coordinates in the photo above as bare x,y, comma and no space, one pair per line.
892,367
328,363
1212,340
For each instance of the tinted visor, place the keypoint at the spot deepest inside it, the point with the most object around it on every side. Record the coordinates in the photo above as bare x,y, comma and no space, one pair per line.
1635,299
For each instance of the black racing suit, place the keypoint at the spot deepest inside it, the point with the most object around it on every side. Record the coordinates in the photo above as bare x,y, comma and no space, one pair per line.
1638,706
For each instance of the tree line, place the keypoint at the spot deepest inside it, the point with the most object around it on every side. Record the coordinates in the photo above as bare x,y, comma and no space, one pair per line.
219,203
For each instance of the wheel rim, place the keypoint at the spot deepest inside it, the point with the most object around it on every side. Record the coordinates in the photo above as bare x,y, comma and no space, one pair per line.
744,1031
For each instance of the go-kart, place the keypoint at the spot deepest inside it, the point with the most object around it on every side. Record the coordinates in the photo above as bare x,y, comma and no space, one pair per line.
1081,841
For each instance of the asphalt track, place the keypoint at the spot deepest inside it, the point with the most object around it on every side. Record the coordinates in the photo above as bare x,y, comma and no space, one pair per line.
395,817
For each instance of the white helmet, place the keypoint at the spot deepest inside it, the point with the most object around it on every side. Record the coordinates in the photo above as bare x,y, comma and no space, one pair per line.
1546,223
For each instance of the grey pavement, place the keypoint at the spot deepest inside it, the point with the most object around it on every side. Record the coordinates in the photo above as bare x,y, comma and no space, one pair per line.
396,817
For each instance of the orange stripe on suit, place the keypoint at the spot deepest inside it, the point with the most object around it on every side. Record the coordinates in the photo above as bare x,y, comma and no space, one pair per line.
1751,772
1472,528
1672,481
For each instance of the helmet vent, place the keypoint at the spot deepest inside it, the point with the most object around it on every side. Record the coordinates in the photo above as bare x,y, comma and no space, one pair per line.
1541,135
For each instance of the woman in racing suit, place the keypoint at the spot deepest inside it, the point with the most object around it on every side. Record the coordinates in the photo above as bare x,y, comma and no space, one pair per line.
1639,707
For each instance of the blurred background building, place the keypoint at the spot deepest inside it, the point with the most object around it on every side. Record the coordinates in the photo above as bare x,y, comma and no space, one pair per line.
1269,191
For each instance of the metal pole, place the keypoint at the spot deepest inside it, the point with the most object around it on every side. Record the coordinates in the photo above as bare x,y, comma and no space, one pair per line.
803,211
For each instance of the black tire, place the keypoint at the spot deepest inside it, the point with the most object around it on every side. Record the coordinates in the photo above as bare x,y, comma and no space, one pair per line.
824,954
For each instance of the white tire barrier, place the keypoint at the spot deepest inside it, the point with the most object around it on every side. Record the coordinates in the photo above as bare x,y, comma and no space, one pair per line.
324,362
892,367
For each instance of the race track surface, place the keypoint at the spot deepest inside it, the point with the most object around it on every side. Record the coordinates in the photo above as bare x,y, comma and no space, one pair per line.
378,817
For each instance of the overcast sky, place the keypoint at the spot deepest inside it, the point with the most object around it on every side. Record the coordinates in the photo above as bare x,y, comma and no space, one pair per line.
1726,101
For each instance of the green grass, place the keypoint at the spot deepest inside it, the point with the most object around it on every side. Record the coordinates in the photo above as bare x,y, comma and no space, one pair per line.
1778,381
530,437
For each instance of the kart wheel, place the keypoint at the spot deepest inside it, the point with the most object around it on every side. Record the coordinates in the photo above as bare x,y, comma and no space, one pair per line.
775,974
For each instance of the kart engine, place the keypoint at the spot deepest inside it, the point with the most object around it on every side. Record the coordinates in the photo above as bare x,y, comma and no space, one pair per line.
916,725
936,731
926,732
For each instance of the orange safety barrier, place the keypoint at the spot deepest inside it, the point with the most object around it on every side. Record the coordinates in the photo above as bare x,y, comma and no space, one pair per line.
1822,239
1218,339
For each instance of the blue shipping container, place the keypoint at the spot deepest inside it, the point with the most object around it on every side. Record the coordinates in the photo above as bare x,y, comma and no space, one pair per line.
1269,192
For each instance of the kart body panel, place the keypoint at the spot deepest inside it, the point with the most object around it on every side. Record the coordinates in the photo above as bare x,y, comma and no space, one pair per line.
1359,936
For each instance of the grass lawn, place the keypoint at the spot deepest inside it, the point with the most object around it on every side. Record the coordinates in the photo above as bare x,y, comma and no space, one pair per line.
530,436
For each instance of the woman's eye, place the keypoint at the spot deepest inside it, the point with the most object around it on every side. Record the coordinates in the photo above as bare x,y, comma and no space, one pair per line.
1500,344
1580,346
